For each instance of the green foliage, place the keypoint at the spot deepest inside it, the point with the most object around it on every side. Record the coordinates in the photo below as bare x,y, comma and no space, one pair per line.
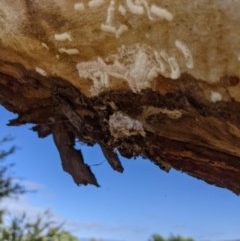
8,187
21,228
40,229
179,238
156,237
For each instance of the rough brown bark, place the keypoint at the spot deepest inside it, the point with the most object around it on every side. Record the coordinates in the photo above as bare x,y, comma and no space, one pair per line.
128,90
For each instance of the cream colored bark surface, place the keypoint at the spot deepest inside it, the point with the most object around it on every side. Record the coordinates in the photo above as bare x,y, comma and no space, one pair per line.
108,44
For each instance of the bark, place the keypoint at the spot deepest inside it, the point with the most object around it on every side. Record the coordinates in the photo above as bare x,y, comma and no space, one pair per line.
158,80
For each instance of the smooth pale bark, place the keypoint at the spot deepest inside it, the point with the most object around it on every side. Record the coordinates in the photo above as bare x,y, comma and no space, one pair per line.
158,79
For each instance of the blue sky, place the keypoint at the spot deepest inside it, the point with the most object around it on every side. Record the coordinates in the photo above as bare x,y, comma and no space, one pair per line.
129,206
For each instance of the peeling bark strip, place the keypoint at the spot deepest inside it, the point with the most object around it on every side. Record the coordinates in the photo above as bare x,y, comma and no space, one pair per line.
67,110
77,123
112,158
72,160
137,77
